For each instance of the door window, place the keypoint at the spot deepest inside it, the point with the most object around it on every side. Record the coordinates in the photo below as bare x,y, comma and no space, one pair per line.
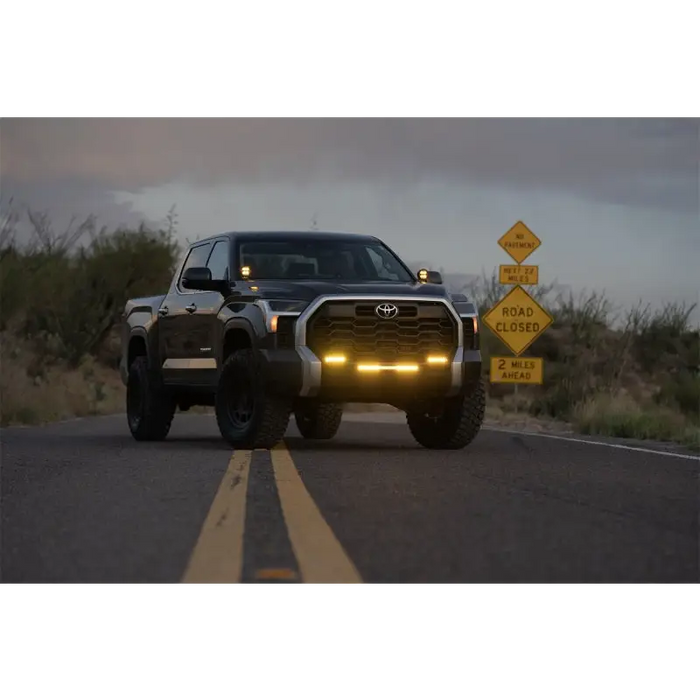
197,257
218,261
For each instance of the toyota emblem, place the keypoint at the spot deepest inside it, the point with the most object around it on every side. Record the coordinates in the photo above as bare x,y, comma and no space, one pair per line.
386,310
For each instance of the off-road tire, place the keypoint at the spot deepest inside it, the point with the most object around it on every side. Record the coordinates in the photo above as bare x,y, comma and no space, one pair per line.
319,421
149,408
241,379
456,427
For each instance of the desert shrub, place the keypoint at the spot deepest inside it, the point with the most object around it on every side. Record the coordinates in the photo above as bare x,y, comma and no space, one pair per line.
592,350
67,298
682,392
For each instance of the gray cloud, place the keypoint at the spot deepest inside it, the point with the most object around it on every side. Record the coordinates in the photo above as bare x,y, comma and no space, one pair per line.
638,162
436,190
68,200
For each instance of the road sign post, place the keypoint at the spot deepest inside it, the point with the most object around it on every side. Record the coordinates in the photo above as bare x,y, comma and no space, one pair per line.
518,319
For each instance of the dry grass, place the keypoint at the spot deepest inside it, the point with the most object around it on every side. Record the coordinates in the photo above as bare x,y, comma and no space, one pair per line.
32,394
620,415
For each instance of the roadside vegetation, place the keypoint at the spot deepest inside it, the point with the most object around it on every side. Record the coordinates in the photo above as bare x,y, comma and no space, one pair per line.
61,298
633,374
630,374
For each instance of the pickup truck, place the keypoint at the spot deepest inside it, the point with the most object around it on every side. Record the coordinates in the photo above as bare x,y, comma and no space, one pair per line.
263,325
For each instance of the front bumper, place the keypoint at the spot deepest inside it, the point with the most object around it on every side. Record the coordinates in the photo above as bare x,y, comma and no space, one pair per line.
299,372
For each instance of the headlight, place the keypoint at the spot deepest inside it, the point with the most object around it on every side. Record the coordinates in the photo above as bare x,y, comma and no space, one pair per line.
467,312
286,305
274,308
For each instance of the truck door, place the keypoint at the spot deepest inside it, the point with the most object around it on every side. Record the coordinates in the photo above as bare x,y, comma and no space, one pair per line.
179,339
206,315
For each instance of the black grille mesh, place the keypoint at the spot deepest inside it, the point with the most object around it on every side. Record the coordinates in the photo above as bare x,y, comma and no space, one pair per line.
418,329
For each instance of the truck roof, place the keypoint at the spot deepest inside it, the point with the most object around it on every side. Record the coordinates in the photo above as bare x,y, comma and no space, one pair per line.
292,235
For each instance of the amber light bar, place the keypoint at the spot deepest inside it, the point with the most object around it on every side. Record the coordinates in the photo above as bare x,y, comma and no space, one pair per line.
437,360
334,359
387,368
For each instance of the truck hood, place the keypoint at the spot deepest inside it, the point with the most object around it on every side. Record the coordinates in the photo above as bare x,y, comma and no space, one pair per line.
308,290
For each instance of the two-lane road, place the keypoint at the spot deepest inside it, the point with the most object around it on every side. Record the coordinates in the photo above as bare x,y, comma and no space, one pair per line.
83,502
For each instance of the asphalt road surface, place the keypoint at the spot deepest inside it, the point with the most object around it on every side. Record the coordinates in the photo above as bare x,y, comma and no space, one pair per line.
83,502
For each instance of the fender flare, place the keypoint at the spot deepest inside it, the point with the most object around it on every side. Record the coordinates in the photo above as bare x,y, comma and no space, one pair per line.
240,324
140,332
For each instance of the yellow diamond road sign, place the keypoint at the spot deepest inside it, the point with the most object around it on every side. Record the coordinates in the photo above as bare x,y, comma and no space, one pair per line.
518,320
519,242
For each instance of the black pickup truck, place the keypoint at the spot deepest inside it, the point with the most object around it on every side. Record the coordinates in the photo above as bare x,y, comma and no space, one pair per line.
262,325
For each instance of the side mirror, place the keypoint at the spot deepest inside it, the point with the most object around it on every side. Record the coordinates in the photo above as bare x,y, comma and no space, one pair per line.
199,278
430,276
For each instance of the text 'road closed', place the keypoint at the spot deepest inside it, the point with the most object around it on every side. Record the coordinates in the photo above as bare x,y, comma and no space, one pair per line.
517,370
520,325
517,320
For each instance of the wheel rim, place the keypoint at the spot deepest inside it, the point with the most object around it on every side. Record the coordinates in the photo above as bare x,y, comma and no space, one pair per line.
240,404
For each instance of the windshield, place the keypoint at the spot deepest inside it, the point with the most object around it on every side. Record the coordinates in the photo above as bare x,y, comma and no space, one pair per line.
357,261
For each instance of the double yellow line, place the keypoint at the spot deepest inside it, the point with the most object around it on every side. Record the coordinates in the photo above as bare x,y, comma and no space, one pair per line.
218,554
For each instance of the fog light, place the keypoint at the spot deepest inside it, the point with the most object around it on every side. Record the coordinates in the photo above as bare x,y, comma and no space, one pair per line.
334,359
273,324
437,360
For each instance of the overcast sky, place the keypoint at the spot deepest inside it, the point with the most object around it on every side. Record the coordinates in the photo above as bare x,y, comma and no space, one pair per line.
615,202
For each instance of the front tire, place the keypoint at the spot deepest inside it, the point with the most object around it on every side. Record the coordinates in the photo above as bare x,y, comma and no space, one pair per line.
247,416
319,421
149,409
454,428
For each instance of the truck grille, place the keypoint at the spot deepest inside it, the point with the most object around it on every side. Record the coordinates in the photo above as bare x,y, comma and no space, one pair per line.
353,327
